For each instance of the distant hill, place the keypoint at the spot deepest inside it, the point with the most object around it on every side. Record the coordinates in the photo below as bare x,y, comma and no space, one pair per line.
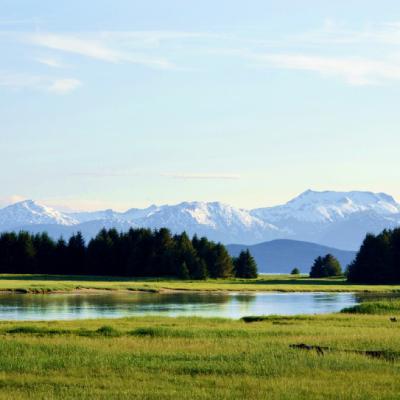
282,255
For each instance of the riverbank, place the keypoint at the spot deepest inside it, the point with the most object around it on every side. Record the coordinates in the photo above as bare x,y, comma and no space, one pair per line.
346,356
277,283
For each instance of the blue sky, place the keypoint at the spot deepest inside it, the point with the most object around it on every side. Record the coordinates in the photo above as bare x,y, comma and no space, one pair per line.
128,103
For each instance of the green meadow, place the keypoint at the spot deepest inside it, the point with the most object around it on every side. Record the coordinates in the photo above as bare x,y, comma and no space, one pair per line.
282,283
194,358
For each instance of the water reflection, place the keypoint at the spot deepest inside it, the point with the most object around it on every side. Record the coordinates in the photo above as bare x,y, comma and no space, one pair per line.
114,305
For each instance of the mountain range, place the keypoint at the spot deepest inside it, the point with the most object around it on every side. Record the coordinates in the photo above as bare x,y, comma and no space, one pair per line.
337,219
282,255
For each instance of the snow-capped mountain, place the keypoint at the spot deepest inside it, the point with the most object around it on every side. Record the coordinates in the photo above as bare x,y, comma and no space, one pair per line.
127,216
30,213
329,206
216,220
338,219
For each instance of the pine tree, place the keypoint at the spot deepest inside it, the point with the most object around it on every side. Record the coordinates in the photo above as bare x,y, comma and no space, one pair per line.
222,264
199,270
325,266
245,265
183,271
24,253
45,249
61,252
76,251
332,266
378,260
317,268
138,252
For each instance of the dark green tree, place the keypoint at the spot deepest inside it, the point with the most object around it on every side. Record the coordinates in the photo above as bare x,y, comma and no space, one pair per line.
183,271
138,252
325,266
24,253
378,260
199,270
295,271
221,264
77,254
61,256
332,265
245,265
317,269
45,250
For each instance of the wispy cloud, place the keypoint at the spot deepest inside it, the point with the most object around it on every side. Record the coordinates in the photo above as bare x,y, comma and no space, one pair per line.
212,176
363,56
355,71
62,86
94,47
337,34
42,83
106,174
50,62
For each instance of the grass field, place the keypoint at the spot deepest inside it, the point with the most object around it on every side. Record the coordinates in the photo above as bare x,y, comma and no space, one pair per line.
284,283
194,358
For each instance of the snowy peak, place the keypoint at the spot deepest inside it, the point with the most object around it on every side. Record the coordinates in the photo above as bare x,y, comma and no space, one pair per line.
329,206
338,219
215,220
136,213
28,212
131,215
213,215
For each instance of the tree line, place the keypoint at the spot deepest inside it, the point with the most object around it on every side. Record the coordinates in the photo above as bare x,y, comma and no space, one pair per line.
378,260
135,253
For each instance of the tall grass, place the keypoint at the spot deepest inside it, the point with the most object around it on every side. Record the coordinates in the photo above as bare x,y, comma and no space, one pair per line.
283,283
194,358
390,306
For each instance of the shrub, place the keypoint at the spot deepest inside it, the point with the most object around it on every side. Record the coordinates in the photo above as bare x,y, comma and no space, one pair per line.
295,271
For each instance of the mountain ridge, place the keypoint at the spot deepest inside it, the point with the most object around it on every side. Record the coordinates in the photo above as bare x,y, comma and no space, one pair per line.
337,219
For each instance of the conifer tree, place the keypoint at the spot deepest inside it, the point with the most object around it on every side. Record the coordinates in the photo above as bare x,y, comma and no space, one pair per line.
245,265
77,253
222,264
325,266
183,271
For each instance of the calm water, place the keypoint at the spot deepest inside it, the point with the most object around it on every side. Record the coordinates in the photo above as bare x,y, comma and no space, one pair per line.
228,305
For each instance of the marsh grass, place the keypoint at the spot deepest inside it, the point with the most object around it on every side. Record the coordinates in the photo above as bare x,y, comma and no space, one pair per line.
281,283
389,306
195,358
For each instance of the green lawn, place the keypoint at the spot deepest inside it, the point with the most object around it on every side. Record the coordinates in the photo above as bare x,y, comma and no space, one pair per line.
284,283
194,358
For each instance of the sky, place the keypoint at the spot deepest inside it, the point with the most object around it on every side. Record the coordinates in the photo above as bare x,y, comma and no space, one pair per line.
127,103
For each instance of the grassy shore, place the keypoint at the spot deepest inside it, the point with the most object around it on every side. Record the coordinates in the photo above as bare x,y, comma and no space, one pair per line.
283,283
194,358
351,355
